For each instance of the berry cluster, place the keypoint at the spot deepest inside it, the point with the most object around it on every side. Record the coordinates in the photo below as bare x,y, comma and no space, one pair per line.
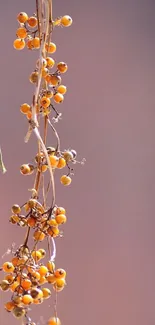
30,268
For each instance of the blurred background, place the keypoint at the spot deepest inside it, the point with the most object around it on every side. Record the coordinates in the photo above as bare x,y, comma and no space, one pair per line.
108,247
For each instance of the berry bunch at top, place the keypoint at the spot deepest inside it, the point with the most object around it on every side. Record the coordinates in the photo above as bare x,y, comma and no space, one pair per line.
31,275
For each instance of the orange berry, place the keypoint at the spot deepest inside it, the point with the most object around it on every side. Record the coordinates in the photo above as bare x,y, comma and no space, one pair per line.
50,266
38,301
9,306
14,286
45,102
22,17
25,169
58,98
51,279
29,115
36,42
21,32
26,284
31,222
60,273
16,209
54,321
60,219
52,222
42,280
60,210
46,293
53,231
65,180
44,72
62,67
61,163
27,300
43,270
25,108
32,21
50,62
29,44
53,160
66,21
15,260
62,89
43,168
19,44
8,267
38,235
50,48
53,79
10,278
14,219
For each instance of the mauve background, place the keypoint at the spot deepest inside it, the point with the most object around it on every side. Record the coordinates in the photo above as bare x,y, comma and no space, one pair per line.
109,118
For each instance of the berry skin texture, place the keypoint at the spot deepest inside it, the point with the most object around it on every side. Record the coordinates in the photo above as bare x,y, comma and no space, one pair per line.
36,43
46,293
34,77
58,98
54,321
32,21
60,273
29,44
62,89
18,312
50,266
65,180
26,284
21,32
50,48
53,80
19,44
27,300
60,210
38,235
22,17
62,67
66,21
25,169
4,285
9,306
45,102
53,160
8,267
43,270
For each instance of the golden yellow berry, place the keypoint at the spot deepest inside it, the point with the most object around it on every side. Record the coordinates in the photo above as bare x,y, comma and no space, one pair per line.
36,42
14,219
53,231
36,255
65,180
22,17
48,93
43,168
45,102
50,48
38,235
51,266
68,155
60,273
61,163
46,293
33,77
50,62
53,79
54,321
27,299
58,98
16,209
18,312
25,108
43,270
44,72
8,267
52,222
59,284
42,252
66,21
62,67
19,44
4,285
32,21
10,278
14,286
9,306
53,160
21,32
60,219
42,280
62,89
